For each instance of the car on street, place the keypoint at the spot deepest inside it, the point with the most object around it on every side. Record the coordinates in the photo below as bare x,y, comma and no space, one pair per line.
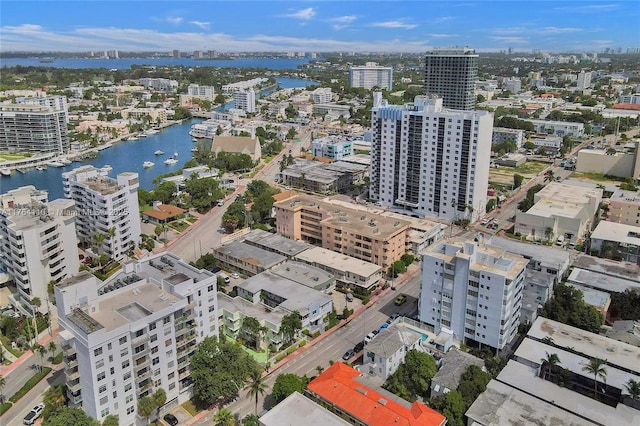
400,299
33,415
170,419
369,337
348,355
358,347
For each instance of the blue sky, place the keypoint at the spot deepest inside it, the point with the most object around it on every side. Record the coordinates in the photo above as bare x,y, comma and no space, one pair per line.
382,26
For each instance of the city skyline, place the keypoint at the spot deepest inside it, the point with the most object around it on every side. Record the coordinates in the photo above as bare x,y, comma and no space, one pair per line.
379,26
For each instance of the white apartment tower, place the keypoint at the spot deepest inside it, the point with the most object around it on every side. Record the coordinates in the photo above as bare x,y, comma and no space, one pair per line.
201,92
33,127
245,100
430,161
584,80
473,290
37,241
451,74
371,75
105,206
125,338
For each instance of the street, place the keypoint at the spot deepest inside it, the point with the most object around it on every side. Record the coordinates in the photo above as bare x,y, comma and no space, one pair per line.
20,409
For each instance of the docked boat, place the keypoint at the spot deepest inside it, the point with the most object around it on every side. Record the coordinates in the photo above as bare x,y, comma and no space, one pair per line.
175,154
106,168
194,140
152,132
132,138
159,152
170,161
142,135
41,168
194,149
5,171
22,170
55,163
148,164
65,161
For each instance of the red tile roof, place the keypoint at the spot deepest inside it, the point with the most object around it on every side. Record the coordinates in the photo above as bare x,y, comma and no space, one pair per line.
163,211
337,386
626,106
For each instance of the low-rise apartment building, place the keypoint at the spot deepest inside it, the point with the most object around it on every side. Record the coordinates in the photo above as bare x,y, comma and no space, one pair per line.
624,207
332,148
558,128
247,259
156,115
616,241
503,134
323,178
384,354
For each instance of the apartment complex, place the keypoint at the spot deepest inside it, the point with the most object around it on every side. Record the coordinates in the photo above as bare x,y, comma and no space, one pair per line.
54,103
474,290
125,338
451,74
503,134
230,88
105,206
245,100
332,147
37,241
624,207
201,92
321,95
159,83
33,128
430,161
156,115
371,75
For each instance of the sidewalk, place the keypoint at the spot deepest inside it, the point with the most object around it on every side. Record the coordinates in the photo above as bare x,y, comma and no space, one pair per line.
44,340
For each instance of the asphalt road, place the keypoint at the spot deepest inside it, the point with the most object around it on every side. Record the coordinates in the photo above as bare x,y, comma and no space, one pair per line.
20,409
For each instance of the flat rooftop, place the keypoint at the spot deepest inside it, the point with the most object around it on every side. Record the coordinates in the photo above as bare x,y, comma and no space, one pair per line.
391,339
250,254
276,243
35,214
257,311
546,255
297,409
626,270
618,232
548,207
596,298
338,261
304,274
625,196
601,281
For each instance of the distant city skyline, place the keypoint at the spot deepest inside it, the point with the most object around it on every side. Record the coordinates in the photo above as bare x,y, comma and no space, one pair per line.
312,26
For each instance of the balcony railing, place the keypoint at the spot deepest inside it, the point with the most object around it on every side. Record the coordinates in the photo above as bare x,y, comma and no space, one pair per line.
74,386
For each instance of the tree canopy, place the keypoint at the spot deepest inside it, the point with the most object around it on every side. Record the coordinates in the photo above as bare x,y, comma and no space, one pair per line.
234,217
567,306
626,306
290,325
67,416
286,384
413,377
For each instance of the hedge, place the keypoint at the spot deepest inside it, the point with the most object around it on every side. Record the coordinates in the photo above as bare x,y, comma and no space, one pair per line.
30,384
4,407
58,358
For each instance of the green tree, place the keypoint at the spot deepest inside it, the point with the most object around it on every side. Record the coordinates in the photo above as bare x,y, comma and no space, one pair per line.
550,176
517,180
398,267
529,145
2,384
220,99
146,407
159,399
548,364
224,417
290,325
567,306
286,384
97,240
235,216
54,398
256,386
291,133
633,388
452,406
472,383
67,416
219,369
413,377
250,420
251,331
111,420
597,367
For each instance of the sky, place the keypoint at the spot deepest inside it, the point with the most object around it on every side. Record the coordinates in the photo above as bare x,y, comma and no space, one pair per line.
313,26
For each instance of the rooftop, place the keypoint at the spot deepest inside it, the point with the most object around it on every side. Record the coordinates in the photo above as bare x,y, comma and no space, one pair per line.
248,309
454,364
163,211
304,274
338,261
297,409
391,339
546,255
618,232
624,196
338,386
614,268
252,255
601,281
276,243
596,298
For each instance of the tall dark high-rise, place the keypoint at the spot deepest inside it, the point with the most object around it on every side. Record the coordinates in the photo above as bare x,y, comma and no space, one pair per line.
451,74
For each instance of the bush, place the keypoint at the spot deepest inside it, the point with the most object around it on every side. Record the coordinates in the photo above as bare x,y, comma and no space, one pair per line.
291,350
302,343
58,358
30,384
280,357
365,300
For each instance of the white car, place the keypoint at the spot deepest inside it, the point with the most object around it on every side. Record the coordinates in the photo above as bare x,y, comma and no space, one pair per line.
235,275
33,415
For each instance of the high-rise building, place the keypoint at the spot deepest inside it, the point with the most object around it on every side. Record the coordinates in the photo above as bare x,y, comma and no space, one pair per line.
37,241
176,53
133,334
472,290
212,54
451,75
430,161
105,206
584,80
202,92
371,75
245,100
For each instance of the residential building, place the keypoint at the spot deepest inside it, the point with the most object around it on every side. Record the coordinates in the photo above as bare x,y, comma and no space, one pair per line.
306,274
601,300
105,206
624,207
526,382
584,80
333,110
384,354
430,161
158,116
245,100
559,210
249,145
474,290
321,95
54,103
616,241
454,364
513,85
371,75
161,214
451,74
605,280
31,128
323,177
230,88
297,409
247,259
331,147
632,98
276,243
176,54
503,134
38,241
134,334
558,128
621,164
341,390
159,83
202,92
627,331
348,271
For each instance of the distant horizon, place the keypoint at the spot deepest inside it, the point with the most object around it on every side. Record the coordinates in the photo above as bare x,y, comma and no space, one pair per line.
382,26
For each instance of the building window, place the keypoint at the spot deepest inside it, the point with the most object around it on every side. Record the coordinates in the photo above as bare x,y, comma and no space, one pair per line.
104,412
101,376
102,388
123,340
97,352
104,400
130,410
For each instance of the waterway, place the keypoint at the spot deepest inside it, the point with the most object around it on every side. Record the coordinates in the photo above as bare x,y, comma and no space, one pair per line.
126,63
128,156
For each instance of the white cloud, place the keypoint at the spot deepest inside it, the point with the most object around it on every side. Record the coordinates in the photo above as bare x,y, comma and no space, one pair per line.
510,40
304,14
393,24
441,19
347,19
592,8
442,35
202,25
174,19
558,30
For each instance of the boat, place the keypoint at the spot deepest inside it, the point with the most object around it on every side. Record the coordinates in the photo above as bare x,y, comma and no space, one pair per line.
107,168
41,168
159,152
22,170
142,135
175,154
5,171
152,132
65,161
170,161
55,163
194,140
148,164
132,138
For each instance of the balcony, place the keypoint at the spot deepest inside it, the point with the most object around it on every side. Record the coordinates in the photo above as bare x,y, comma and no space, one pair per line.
136,341
71,362
141,365
142,377
68,348
74,386
184,374
72,374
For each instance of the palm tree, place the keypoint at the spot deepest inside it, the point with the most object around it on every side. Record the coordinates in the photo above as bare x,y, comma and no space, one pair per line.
2,383
35,302
548,364
257,387
224,418
52,348
597,367
633,387
98,239
159,398
549,176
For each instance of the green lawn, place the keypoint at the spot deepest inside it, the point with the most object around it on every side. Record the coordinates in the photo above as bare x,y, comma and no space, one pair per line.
191,408
260,357
6,156
179,225
7,345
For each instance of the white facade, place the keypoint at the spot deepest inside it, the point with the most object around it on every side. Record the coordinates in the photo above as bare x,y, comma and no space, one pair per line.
321,95
384,354
202,92
243,85
558,128
473,290
105,205
624,207
33,128
333,148
584,80
245,101
37,241
54,103
503,134
431,161
133,334
371,75
513,85
630,99
158,83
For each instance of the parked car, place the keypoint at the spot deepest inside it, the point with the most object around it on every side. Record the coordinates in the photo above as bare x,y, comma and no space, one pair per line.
235,275
33,415
216,269
348,355
369,337
170,419
225,277
401,299
358,347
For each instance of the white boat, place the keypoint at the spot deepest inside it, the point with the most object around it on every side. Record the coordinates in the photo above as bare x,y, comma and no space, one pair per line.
142,135
65,161
194,149
152,131
107,168
175,154
170,161
148,164
194,140
5,171
159,152
40,168
55,163
132,138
